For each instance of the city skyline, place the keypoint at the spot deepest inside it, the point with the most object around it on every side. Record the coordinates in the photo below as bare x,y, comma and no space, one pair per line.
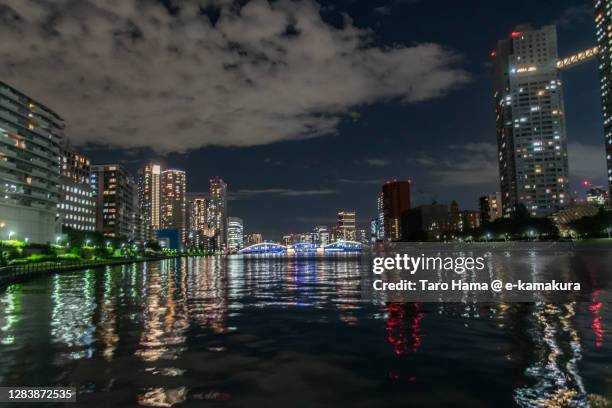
285,185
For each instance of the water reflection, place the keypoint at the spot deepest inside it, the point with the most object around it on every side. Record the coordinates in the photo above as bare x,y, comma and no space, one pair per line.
213,329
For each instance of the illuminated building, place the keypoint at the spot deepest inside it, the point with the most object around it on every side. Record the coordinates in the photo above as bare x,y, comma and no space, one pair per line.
197,221
396,200
173,212
603,32
77,206
345,228
362,235
380,224
490,207
235,233
30,138
530,124
374,230
217,211
597,196
116,201
252,239
321,235
149,199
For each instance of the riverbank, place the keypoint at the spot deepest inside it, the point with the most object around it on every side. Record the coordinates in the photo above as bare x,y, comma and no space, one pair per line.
15,273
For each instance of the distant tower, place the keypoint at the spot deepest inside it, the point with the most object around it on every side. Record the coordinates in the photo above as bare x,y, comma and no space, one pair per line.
396,200
346,226
235,233
603,30
531,139
149,199
217,212
173,203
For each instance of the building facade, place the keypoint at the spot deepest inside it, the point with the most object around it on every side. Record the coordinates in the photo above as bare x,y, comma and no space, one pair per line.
235,234
380,224
77,206
530,124
603,32
173,201
396,200
217,211
346,227
197,221
490,207
30,139
116,201
149,199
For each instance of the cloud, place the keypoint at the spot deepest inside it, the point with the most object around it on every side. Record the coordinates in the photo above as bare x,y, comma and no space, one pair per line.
353,181
128,73
377,162
284,192
575,14
463,165
587,161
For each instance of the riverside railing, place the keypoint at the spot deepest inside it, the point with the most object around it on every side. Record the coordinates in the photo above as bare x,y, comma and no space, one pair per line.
12,273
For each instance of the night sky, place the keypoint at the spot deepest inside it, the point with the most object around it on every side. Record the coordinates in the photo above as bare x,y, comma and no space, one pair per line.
304,108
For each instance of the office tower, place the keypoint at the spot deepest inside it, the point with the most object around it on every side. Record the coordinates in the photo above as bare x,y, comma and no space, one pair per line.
374,230
173,212
380,224
217,210
396,200
320,235
30,139
346,226
362,235
197,221
149,199
490,207
235,234
603,32
77,206
116,201
530,124
425,222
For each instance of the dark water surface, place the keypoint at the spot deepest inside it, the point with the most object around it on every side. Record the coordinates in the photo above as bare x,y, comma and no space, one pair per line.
292,332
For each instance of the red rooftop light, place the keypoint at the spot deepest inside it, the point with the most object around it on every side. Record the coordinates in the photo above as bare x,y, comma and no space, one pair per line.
493,53
516,33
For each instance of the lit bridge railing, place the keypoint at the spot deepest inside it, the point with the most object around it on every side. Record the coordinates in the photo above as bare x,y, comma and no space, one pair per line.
304,248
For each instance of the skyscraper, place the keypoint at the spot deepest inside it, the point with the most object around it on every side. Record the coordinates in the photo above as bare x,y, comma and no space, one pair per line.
173,214
197,221
396,200
30,138
530,124
217,211
116,201
603,31
149,199
380,222
235,234
345,229
77,206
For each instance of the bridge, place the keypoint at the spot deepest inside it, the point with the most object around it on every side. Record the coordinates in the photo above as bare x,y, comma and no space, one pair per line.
299,248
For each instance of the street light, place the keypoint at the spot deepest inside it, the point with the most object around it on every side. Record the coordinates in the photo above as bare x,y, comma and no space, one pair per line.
87,241
10,234
27,239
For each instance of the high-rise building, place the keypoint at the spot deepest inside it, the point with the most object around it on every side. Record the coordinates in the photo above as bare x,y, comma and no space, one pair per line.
490,207
530,124
374,230
30,139
149,199
396,200
116,201
235,234
597,195
77,206
603,31
197,221
217,211
173,213
380,224
345,228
